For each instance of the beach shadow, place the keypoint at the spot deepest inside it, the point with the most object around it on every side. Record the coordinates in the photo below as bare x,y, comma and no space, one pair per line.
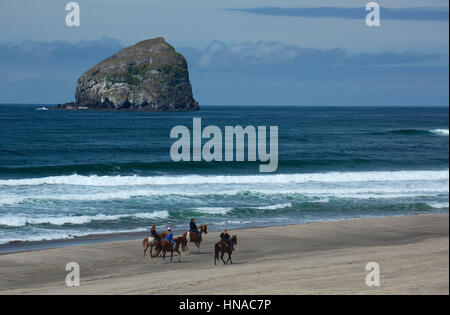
238,263
201,253
234,263
171,263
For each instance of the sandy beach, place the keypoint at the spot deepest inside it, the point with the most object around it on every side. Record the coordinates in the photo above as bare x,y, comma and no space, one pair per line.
317,258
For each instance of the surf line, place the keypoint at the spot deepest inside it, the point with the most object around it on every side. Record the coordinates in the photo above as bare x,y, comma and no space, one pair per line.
212,150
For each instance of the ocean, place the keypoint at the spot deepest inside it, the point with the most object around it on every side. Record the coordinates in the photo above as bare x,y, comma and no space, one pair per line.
75,173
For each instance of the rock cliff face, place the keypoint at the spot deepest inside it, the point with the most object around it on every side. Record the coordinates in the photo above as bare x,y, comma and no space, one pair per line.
149,75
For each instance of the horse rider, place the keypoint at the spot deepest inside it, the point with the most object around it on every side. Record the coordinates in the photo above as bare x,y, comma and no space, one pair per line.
170,237
154,234
226,238
193,228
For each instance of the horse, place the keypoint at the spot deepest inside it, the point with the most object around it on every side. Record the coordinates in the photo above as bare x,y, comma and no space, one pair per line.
166,246
193,237
224,248
151,242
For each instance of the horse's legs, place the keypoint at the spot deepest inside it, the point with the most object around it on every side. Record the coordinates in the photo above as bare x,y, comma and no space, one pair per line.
157,254
145,250
193,242
229,257
221,257
151,251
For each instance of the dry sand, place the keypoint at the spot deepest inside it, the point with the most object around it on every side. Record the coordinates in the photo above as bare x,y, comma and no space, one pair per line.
318,258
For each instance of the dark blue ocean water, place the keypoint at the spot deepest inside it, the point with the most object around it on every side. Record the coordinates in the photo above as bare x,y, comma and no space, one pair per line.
66,173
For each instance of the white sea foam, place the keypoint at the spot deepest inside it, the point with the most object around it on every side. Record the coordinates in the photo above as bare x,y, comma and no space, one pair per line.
439,205
213,210
21,220
234,222
377,192
225,210
331,177
441,132
273,207
11,200
323,200
58,235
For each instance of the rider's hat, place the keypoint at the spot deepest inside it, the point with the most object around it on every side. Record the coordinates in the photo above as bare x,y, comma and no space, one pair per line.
169,229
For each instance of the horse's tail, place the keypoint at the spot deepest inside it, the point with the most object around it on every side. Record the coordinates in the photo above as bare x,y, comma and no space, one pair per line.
216,251
145,242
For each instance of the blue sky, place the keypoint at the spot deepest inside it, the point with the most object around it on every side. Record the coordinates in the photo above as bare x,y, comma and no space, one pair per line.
405,14
286,52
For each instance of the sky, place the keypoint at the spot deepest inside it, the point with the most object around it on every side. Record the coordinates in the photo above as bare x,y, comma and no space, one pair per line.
246,52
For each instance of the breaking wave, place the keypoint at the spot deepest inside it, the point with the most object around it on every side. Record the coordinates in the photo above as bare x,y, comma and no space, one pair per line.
20,220
331,177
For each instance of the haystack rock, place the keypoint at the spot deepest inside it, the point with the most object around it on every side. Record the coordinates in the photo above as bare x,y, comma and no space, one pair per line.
149,75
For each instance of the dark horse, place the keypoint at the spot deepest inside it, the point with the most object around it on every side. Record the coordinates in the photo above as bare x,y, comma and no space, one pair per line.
224,248
193,237
167,246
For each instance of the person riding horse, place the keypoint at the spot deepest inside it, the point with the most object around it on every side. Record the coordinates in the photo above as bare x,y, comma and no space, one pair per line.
226,238
170,237
193,228
154,234
223,247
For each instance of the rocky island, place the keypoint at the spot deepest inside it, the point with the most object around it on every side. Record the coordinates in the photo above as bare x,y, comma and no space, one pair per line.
149,75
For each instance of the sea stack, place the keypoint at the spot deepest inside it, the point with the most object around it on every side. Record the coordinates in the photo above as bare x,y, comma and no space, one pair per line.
149,75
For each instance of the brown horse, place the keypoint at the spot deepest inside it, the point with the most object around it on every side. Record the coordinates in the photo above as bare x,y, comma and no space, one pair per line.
224,248
167,246
151,242
193,237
